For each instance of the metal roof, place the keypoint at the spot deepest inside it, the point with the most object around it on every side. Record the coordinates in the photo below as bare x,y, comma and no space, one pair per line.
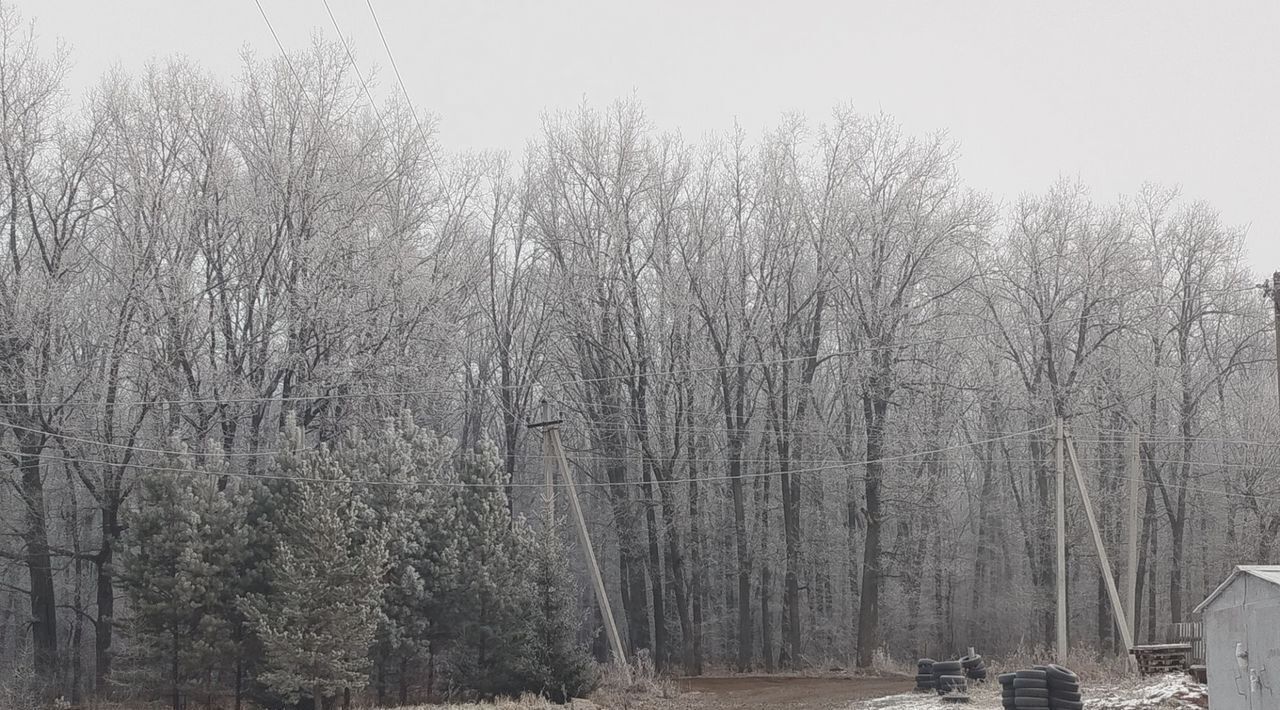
1267,573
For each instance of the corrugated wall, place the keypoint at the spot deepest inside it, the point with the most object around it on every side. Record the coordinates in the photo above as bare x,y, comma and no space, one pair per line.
1247,612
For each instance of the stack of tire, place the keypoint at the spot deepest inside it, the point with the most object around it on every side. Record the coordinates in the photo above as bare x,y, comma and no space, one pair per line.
1051,687
924,675
948,678
1064,688
974,668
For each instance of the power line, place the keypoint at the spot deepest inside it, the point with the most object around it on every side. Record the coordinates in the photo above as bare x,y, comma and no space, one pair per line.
562,384
271,453
593,484
359,75
396,70
288,61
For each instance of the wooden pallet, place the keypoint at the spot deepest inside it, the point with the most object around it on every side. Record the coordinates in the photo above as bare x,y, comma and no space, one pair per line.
1162,658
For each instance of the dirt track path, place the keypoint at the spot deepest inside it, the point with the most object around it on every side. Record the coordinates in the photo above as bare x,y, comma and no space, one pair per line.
786,692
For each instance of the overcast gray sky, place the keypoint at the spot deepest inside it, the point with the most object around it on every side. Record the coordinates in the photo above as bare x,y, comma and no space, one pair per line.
1115,93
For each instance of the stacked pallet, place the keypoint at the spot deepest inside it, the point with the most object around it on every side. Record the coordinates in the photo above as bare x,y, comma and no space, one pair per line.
1158,659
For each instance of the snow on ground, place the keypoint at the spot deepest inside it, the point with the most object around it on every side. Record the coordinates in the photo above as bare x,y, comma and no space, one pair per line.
1171,692
986,698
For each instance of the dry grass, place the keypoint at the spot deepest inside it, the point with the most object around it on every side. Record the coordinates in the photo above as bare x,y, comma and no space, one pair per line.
635,686
1091,666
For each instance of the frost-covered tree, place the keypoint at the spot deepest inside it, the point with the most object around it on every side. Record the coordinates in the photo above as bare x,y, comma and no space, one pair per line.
182,569
318,620
403,465
555,664
491,588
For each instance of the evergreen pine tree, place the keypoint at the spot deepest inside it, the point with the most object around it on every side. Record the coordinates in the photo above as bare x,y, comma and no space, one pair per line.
492,587
555,664
404,459
180,565
317,621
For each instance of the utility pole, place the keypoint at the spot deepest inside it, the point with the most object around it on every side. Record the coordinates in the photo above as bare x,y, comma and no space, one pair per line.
1061,516
1103,561
552,447
1131,571
549,462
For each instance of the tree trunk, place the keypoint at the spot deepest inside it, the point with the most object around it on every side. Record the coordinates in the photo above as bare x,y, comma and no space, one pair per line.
791,593
1177,530
656,578
35,537
743,554
696,587
105,596
875,409
631,558
677,573
1151,588
766,580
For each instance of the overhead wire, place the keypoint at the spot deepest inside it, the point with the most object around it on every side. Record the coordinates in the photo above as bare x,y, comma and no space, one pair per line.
585,484
364,85
561,384
396,70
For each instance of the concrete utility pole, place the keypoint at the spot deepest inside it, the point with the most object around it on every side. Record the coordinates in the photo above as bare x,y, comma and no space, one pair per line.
549,463
1105,563
1060,485
553,448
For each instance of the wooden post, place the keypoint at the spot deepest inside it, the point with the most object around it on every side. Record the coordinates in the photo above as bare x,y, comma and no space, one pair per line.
1112,592
1060,516
610,626
1131,571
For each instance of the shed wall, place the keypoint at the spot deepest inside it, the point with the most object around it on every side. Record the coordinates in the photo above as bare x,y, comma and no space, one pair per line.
1247,612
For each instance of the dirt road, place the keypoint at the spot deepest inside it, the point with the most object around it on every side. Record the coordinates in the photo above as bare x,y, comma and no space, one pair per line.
786,692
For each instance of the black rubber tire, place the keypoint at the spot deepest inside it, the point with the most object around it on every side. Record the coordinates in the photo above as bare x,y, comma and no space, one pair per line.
1036,674
978,674
1021,683
1064,695
1006,678
1057,672
949,683
1066,705
924,676
947,667
1031,693
1031,703
1064,687
971,661
925,662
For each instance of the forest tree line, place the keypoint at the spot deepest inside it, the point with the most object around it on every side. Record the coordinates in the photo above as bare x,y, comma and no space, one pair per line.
808,378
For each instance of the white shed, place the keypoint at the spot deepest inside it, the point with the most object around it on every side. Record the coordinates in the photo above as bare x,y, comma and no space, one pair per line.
1242,639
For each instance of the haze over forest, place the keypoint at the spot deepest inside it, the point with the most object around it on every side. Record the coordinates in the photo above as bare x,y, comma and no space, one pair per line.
270,350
